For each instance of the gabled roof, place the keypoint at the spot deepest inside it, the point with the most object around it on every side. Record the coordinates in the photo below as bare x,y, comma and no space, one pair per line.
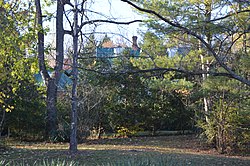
105,52
109,49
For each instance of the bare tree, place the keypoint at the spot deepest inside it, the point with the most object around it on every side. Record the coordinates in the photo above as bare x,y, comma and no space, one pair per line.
73,127
52,81
75,31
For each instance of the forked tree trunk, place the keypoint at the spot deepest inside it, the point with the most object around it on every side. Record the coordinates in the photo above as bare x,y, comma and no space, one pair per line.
51,81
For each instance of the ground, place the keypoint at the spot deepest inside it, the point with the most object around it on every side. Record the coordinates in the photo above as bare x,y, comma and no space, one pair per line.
161,150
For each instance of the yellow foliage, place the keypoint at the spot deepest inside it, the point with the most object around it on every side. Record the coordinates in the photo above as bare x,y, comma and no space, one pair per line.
8,110
2,94
184,92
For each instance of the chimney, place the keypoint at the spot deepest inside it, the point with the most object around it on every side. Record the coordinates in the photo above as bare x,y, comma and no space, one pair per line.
134,44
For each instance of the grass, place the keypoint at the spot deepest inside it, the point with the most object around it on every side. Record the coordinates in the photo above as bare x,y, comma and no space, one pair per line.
162,150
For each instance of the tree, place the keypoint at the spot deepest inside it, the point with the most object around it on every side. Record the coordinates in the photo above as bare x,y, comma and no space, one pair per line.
18,64
224,38
92,91
227,125
215,40
170,88
76,30
73,135
51,81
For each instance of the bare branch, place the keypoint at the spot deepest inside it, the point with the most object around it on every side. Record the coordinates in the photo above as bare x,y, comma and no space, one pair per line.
110,57
70,24
42,66
165,70
68,3
107,21
231,45
229,15
68,32
193,33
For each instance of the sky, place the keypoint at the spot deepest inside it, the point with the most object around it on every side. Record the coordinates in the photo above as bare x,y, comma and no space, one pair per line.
120,10
109,8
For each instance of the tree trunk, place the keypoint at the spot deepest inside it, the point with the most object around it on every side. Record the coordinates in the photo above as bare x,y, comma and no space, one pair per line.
40,34
2,121
51,110
52,86
59,41
50,126
204,65
73,134
51,81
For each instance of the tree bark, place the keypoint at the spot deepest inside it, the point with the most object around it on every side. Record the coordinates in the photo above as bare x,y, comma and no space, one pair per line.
73,134
51,126
208,38
50,123
51,81
59,41
2,121
40,34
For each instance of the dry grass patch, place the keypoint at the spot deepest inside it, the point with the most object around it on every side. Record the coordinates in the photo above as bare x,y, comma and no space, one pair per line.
164,150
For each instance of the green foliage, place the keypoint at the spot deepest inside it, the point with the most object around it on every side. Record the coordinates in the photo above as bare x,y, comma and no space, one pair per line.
140,161
166,100
132,102
199,17
63,117
227,125
137,105
227,33
225,128
123,104
125,132
20,97
46,162
154,45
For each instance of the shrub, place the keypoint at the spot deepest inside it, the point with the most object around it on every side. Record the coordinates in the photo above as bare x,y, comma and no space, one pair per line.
227,127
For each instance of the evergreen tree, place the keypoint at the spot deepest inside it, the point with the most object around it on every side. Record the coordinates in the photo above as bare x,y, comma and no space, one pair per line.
214,39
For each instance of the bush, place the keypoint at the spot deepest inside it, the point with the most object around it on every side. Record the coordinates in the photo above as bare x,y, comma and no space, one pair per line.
227,127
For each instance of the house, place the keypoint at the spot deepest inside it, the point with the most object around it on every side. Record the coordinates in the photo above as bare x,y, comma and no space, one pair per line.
64,81
181,50
110,50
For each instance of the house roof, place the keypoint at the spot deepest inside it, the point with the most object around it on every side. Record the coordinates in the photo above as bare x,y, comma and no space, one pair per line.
63,82
109,49
108,44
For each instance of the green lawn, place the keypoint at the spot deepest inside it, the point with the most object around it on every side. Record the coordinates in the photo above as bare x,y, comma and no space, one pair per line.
164,150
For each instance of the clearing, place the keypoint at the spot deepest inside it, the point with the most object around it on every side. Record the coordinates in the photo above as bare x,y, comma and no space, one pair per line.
160,150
